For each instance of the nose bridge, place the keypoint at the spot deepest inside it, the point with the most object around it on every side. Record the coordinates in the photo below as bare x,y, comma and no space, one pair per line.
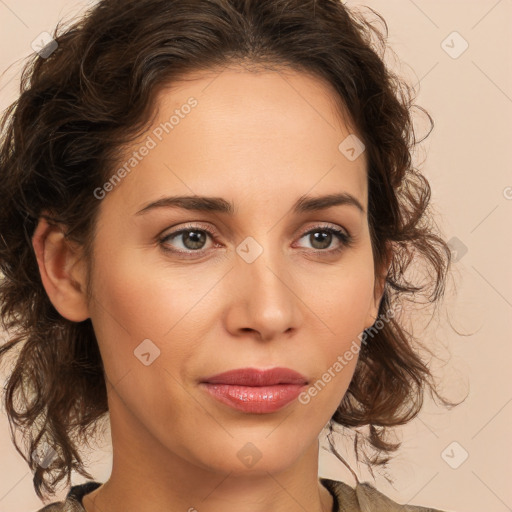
265,287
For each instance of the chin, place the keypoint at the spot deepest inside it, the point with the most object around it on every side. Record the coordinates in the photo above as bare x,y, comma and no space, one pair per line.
256,455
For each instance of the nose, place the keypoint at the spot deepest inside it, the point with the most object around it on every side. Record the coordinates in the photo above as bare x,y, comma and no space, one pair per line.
265,298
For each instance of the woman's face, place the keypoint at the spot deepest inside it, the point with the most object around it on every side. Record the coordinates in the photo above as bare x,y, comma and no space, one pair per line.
262,286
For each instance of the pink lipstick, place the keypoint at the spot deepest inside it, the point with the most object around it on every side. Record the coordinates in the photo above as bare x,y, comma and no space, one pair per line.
256,391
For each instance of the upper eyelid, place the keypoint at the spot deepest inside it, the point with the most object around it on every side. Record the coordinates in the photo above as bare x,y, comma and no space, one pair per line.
215,232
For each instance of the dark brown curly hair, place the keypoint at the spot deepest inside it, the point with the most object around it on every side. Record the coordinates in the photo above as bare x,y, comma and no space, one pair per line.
93,93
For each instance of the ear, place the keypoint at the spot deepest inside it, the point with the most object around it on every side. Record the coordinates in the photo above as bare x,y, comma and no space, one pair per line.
62,271
380,283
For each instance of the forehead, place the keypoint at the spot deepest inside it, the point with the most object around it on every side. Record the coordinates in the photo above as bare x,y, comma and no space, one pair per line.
233,130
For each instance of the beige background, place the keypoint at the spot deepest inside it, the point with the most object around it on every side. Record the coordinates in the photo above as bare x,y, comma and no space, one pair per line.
468,164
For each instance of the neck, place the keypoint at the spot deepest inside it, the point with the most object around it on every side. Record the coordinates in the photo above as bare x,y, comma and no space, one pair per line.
148,477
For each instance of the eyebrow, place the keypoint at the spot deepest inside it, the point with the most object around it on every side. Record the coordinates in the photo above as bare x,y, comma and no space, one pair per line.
219,205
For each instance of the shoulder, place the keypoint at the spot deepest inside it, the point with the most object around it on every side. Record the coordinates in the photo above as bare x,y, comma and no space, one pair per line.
365,497
73,502
62,506
53,507
58,506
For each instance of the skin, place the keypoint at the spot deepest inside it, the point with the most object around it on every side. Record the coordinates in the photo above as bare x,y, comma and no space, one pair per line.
260,140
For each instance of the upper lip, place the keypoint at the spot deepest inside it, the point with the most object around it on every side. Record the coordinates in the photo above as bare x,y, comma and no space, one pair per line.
255,377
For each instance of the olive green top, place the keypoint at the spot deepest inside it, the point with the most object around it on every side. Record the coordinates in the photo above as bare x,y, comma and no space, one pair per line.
361,498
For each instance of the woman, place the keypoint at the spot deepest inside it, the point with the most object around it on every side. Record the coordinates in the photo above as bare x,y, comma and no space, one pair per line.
208,210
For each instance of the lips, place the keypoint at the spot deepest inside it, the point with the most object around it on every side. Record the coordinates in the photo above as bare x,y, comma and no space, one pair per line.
255,391
255,378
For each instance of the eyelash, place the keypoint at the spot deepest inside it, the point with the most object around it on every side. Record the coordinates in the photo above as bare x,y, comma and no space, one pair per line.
345,239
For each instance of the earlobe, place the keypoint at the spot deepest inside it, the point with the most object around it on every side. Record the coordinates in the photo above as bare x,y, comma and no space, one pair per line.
62,271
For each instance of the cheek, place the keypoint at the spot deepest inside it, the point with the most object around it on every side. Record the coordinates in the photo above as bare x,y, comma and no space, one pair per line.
341,306
140,295
344,298
133,310
136,299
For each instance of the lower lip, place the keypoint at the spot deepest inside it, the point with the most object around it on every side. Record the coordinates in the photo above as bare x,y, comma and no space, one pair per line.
252,399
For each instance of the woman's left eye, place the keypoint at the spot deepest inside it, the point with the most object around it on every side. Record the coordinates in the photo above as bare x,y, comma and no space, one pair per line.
326,237
193,239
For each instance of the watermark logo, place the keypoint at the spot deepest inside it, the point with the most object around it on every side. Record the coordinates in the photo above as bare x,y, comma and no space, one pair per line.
44,45
146,352
249,455
249,249
454,455
454,45
44,456
352,147
458,248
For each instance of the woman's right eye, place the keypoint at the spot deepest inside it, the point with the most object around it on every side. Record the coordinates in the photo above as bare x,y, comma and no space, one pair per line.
192,239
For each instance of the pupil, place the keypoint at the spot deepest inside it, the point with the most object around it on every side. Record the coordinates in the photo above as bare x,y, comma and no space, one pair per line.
322,237
197,239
